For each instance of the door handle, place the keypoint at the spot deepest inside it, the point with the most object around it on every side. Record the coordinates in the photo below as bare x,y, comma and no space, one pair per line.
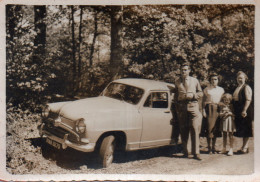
167,111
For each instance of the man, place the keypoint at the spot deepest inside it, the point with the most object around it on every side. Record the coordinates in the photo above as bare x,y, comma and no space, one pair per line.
188,92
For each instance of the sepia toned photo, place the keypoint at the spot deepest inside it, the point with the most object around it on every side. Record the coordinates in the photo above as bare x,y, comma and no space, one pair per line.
129,89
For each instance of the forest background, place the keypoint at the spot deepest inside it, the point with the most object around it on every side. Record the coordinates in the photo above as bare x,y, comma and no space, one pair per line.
56,53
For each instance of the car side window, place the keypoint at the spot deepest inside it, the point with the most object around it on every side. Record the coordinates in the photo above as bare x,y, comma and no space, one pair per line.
157,100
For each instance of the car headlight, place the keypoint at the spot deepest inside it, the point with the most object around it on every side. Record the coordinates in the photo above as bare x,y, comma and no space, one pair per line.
57,121
46,111
80,126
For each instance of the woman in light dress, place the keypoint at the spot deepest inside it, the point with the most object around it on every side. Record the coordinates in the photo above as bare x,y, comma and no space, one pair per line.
211,99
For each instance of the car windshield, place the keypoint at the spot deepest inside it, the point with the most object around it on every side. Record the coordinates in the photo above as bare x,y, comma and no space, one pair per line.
124,92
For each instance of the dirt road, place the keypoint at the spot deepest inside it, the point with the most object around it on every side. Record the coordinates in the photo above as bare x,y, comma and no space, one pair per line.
24,156
164,160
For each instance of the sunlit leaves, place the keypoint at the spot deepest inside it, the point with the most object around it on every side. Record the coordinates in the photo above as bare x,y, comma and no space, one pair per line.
156,39
211,37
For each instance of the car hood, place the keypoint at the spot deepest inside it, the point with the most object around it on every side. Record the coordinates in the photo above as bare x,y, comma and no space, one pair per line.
97,105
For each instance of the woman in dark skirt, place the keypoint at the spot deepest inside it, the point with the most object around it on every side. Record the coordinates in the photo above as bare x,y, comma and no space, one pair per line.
243,110
211,99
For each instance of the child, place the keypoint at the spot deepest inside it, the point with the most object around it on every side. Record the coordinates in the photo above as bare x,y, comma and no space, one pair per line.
227,121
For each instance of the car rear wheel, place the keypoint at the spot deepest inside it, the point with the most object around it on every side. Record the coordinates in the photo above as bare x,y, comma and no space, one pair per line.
107,149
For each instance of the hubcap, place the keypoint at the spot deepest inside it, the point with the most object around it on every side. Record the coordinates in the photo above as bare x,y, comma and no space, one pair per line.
109,157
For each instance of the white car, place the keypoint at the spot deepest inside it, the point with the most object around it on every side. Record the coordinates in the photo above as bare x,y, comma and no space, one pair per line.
130,114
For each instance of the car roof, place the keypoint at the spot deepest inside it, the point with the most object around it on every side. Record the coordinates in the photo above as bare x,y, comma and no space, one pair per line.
146,84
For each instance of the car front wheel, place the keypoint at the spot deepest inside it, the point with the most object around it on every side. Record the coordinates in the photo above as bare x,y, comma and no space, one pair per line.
107,149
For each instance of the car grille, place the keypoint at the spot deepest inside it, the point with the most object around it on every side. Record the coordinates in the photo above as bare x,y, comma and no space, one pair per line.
68,122
60,132
53,115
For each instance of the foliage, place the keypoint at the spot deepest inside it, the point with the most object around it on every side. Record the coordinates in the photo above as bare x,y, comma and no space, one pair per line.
24,77
20,152
155,40
164,36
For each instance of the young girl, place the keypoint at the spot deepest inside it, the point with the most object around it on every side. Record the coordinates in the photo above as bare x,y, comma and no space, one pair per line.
227,121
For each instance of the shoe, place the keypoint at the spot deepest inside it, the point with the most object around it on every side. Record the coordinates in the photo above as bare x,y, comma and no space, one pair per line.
173,142
197,156
184,156
246,151
243,151
230,152
190,156
223,151
214,151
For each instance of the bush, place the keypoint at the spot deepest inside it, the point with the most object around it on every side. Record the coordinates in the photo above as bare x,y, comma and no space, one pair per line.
21,127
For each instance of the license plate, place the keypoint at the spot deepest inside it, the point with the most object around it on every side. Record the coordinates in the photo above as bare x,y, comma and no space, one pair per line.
53,143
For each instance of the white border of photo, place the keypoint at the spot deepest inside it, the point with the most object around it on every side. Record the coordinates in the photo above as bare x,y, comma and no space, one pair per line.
4,175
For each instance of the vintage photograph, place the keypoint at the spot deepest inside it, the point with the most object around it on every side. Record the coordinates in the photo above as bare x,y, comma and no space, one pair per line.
130,89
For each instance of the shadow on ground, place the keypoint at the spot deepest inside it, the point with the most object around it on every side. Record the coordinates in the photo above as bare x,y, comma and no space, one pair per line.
73,160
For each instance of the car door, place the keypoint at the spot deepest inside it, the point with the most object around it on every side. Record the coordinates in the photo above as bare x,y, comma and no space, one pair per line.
156,116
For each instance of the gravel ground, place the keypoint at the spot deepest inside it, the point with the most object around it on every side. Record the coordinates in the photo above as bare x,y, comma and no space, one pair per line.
24,156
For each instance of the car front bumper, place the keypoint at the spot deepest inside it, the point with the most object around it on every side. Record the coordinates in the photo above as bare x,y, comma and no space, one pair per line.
89,147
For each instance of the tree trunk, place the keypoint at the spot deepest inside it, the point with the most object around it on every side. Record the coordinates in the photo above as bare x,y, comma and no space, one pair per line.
12,18
94,40
73,50
80,41
116,64
40,38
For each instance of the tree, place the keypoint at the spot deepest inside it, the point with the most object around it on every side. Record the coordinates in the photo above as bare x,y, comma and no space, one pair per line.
97,44
116,63
26,69
161,37
40,38
80,42
75,80
94,38
13,17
